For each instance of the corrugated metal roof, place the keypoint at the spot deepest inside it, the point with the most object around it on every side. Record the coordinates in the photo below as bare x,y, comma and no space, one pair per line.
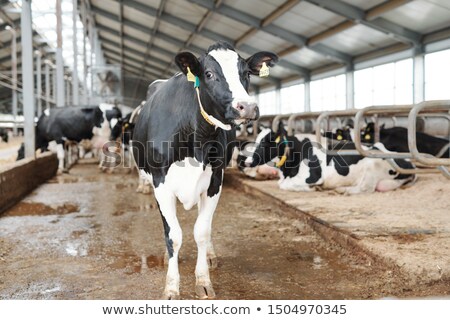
308,34
422,16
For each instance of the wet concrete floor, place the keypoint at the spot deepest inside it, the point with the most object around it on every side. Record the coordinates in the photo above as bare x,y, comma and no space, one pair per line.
88,235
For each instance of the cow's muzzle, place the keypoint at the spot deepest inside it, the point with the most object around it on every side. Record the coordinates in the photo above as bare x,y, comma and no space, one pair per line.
247,110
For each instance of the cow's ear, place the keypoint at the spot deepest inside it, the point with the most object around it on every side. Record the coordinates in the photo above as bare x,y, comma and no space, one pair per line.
256,61
281,131
185,60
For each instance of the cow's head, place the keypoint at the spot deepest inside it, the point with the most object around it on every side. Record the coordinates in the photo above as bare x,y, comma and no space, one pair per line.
368,134
113,116
224,80
268,146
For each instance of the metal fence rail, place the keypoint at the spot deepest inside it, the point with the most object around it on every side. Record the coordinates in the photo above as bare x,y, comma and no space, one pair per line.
433,109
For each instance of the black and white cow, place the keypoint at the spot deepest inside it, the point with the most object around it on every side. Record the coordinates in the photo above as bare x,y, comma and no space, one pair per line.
4,136
304,165
396,139
70,124
180,144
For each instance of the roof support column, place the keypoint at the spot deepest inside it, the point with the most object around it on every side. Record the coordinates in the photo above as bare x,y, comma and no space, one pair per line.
27,78
38,82
54,84
278,98
75,56
85,72
350,88
47,84
14,75
59,58
67,82
91,64
307,95
418,77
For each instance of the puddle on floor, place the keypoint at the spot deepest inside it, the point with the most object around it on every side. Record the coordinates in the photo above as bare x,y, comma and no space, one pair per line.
73,179
131,263
40,209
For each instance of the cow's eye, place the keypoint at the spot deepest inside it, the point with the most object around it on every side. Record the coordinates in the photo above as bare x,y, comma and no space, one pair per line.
209,74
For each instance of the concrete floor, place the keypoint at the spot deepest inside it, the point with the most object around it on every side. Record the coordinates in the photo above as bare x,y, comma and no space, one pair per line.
88,235
406,228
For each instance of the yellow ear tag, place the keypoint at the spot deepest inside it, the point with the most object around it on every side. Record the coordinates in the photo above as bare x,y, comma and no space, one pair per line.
339,137
367,137
264,71
190,75
281,162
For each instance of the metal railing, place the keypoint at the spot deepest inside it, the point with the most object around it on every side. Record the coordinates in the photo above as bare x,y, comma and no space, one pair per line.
428,163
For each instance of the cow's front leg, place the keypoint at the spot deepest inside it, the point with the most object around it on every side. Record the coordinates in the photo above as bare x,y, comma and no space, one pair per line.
202,235
173,235
60,154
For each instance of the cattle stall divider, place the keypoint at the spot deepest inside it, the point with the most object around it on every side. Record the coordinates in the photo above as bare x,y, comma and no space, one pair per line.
375,118
426,109
302,116
263,118
426,159
437,106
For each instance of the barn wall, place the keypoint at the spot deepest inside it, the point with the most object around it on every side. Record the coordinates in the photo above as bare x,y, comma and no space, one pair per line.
20,178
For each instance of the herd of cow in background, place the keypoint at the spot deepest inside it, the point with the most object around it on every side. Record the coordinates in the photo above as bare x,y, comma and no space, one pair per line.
305,166
299,161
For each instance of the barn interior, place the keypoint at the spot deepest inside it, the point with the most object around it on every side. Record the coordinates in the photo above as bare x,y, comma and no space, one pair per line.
91,230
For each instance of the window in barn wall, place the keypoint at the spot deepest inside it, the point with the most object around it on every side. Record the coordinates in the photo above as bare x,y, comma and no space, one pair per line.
293,99
388,84
267,102
437,70
328,94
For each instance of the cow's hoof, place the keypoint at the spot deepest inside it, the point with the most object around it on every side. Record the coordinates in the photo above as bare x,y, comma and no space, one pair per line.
205,291
170,295
213,263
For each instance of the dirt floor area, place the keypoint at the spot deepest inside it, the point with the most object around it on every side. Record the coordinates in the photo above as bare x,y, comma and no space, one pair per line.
408,228
88,235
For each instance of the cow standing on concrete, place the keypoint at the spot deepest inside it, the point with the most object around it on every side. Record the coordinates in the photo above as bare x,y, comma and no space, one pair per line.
70,124
180,144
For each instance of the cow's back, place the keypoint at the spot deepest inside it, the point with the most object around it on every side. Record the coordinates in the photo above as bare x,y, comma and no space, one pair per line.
71,123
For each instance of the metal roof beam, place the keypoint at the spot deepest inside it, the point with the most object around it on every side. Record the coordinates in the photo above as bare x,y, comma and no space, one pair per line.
359,16
384,7
141,28
207,33
285,7
6,18
116,58
133,39
133,51
130,58
284,34
3,25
